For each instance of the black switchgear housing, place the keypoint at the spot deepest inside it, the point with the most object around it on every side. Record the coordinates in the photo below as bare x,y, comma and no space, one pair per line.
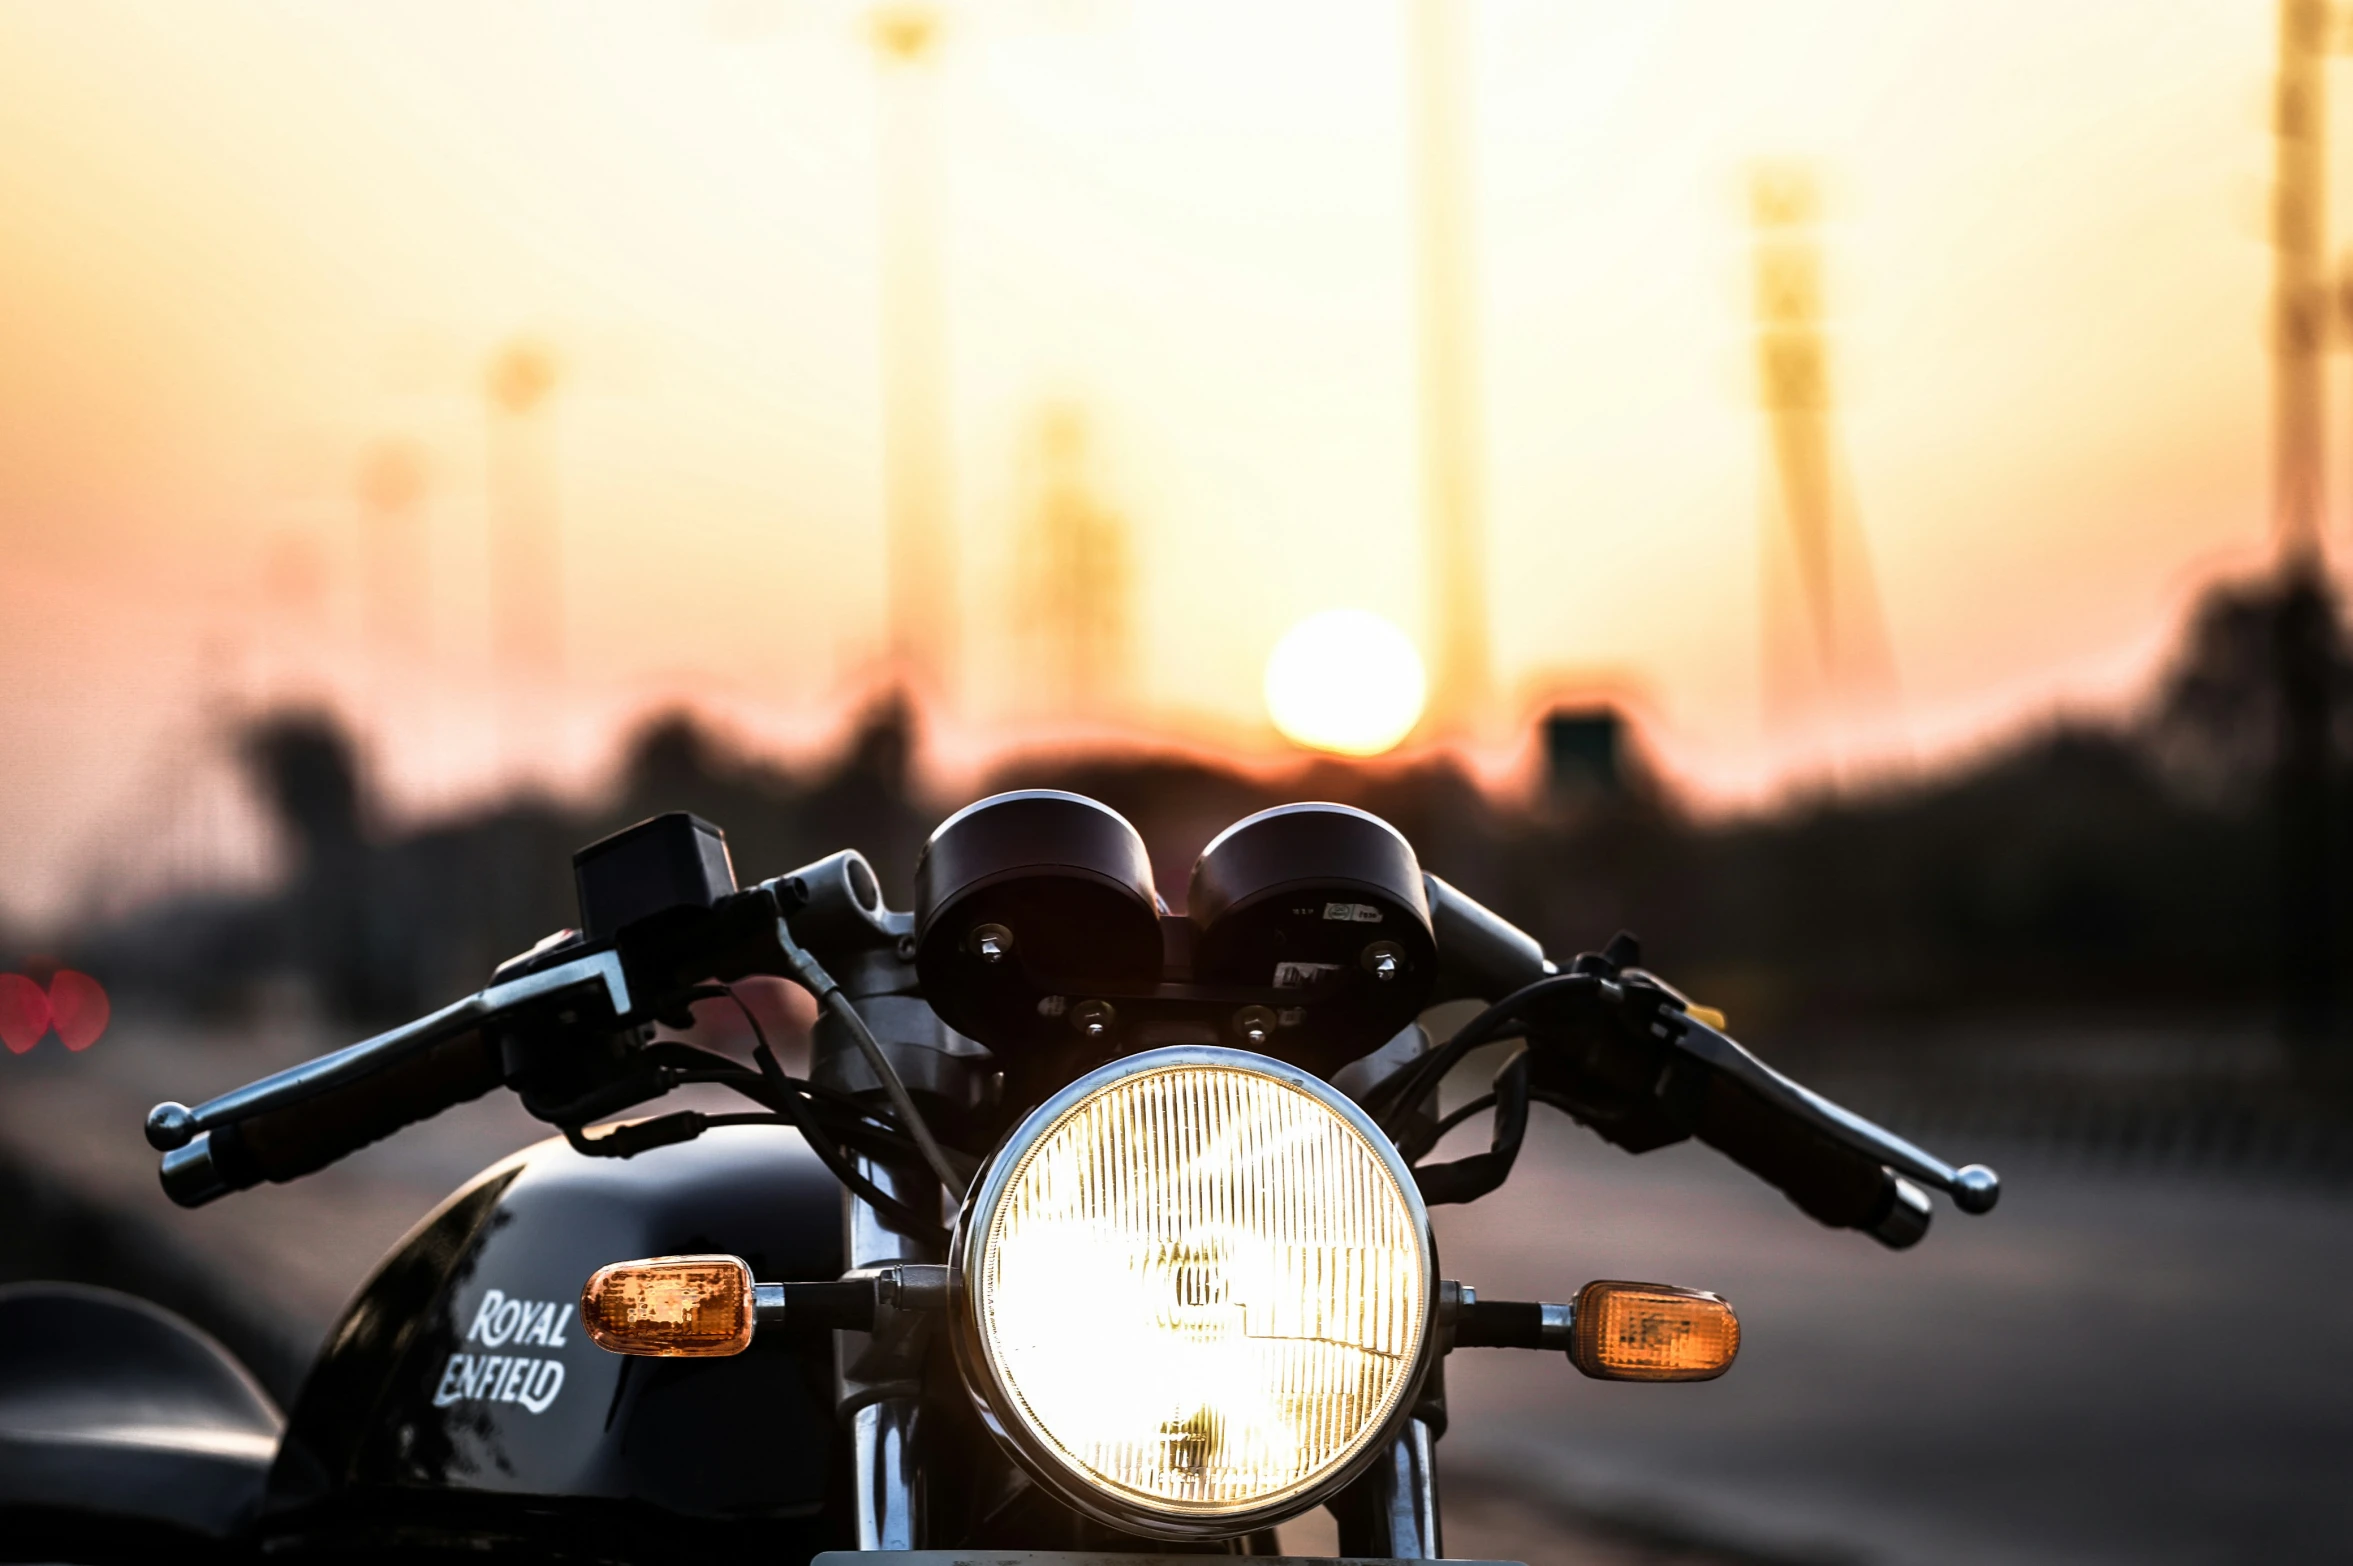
1607,1055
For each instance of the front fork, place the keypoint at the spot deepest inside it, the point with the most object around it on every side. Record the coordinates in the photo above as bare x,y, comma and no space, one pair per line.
884,1440
878,1385
1395,1504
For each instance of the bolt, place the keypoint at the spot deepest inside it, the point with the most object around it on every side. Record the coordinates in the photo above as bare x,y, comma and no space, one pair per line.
1093,1018
1255,1024
992,942
1384,960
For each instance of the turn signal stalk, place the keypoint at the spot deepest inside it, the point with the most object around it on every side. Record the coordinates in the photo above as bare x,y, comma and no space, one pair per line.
670,1307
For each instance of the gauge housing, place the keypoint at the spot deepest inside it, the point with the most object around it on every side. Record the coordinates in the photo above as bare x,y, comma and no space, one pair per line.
1063,887
1323,905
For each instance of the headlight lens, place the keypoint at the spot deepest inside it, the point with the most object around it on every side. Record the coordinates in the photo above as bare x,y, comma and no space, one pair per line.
1199,1284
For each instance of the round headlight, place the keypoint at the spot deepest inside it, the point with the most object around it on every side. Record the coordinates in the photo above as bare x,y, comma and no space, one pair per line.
1197,1292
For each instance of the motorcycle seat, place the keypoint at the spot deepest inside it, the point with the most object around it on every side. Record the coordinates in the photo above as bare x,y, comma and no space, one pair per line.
119,1413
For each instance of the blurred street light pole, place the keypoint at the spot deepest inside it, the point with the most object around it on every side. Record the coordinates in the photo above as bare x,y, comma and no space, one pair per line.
1793,385
526,552
917,498
396,582
2299,237
1461,683
392,551
1835,672
2305,630
1077,579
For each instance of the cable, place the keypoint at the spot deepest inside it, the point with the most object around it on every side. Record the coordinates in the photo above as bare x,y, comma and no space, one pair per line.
854,1117
1468,1179
846,1118
860,1120
804,1117
819,983
935,1156
828,1149
915,1138
1429,1141
1400,1095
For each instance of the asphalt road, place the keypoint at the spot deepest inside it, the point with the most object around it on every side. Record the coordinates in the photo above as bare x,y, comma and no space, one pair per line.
2105,1369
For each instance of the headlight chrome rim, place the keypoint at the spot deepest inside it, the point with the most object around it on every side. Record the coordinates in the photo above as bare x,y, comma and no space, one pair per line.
1163,1518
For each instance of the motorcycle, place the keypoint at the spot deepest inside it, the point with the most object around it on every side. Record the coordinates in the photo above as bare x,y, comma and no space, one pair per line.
1092,1229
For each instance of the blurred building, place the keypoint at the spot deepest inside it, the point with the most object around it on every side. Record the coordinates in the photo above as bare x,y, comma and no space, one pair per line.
1585,755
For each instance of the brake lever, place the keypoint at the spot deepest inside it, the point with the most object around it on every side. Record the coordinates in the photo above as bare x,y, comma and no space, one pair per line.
1974,1188
171,1126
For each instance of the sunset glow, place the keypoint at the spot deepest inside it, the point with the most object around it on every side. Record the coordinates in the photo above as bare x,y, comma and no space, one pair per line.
1193,221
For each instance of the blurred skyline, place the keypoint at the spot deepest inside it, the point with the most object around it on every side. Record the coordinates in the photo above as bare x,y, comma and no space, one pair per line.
245,246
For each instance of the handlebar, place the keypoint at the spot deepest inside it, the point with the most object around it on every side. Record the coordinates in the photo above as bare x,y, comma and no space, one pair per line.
1653,1073
1480,953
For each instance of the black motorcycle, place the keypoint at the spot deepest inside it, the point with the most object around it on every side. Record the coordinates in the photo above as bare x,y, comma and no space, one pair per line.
1091,1229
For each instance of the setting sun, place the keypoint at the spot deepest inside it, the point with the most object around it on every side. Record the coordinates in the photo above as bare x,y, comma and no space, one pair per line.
1345,681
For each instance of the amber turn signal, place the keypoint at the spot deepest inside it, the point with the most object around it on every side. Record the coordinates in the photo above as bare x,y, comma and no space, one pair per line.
1652,1332
670,1306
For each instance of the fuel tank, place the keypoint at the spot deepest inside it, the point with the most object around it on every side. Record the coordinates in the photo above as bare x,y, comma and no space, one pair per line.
459,1404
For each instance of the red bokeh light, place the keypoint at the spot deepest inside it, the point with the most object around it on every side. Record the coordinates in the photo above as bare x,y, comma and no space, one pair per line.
78,1008
73,1003
24,1012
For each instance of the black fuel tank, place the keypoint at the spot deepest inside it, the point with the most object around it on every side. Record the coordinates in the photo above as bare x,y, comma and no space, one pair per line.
459,1403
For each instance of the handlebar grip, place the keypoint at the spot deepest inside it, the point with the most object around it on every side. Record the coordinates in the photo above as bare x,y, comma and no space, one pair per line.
290,1141
1833,1184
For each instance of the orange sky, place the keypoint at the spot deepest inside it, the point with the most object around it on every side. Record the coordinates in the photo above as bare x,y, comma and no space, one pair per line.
241,243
